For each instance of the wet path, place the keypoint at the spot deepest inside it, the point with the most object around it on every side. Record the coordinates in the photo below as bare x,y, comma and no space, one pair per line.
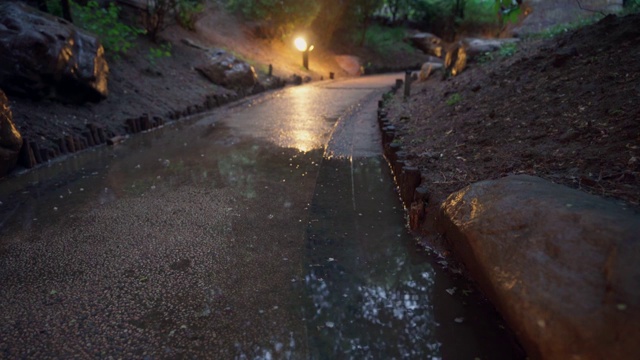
269,229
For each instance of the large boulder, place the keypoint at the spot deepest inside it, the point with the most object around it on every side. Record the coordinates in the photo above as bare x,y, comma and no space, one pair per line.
226,70
429,44
42,56
350,64
559,264
10,139
455,59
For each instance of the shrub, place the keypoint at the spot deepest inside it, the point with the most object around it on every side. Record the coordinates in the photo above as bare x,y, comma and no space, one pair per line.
187,11
159,52
154,16
282,15
386,40
454,99
508,49
115,36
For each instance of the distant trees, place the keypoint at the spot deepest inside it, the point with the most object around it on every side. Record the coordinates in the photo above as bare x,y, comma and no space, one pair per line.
362,11
354,17
283,15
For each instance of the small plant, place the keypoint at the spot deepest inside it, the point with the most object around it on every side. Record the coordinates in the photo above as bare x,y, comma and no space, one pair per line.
159,52
485,57
508,49
454,99
115,36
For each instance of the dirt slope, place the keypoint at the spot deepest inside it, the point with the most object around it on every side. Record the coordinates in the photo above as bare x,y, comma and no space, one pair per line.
170,88
566,109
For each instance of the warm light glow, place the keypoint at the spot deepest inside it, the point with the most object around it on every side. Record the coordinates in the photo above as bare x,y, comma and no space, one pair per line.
300,44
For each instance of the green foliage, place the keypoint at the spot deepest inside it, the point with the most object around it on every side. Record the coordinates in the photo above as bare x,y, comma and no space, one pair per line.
457,13
479,12
387,40
115,36
54,7
486,57
454,99
508,49
631,6
283,15
187,11
507,10
159,52
564,28
428,11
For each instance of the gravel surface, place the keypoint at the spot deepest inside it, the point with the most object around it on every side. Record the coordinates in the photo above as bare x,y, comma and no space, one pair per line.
121,280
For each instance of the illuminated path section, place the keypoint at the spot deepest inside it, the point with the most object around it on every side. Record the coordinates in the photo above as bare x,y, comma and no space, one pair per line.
268,229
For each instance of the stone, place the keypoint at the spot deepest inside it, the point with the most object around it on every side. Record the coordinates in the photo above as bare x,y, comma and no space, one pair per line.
428,43
296,79
477,46
559,264
427,68
42,56
224,69
10,138
350,64
455,59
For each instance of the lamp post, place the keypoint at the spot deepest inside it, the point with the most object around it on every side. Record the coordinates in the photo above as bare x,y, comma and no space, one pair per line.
301,45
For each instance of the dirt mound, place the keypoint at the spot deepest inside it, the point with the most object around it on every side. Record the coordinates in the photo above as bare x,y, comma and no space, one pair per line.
564,109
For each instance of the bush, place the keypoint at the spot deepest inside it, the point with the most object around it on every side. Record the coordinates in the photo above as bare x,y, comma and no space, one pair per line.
632,6
454,99
115,36
187,11
508,49
158,52
283,15
386,40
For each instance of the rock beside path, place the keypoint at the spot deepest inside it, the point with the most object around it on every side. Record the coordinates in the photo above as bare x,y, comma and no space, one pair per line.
42,56
226,70
10,139
559,264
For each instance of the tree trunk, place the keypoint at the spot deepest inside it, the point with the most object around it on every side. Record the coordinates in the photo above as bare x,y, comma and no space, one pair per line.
66,10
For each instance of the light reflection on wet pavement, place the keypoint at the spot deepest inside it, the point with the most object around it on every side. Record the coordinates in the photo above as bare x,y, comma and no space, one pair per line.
238,234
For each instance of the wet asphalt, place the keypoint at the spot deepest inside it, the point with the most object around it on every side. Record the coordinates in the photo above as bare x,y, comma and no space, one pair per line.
266,229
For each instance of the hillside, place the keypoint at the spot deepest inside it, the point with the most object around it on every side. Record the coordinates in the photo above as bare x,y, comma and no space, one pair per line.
564,109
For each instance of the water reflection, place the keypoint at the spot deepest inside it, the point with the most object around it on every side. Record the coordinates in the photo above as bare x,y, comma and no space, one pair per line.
292,118
370,296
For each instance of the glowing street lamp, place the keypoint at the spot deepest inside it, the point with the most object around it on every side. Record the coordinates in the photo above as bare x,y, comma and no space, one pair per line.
301,45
